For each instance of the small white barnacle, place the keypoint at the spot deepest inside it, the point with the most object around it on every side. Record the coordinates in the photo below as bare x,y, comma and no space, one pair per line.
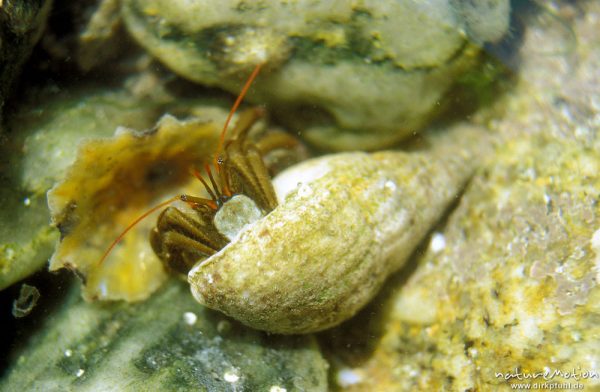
231,376
328,253
190,318
438,242
348,377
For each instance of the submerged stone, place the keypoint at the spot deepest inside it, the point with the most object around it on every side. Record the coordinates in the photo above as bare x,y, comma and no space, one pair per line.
153,346
513,292
359,75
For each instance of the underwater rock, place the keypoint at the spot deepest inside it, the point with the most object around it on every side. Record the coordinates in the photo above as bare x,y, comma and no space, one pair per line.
484,20
357,76
345,223
507,286
26,238
164,344
101,38
21,25
512,286
90,35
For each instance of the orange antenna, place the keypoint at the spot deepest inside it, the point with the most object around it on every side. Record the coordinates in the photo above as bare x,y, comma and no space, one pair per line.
135,222
234,108
189,199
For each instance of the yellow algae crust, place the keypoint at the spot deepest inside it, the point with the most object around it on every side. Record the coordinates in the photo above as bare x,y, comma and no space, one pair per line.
111,183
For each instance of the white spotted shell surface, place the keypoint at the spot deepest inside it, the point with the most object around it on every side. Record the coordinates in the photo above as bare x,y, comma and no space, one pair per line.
345,223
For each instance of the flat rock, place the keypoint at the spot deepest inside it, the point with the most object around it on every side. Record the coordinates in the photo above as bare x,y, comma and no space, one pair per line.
167,343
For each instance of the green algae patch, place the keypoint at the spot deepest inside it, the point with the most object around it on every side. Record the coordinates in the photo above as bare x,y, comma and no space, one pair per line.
26,238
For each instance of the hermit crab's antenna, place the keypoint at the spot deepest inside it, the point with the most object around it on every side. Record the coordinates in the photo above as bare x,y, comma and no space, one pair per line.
191,199
234,108
135,222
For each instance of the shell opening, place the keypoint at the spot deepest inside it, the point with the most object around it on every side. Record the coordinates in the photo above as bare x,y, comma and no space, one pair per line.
236,214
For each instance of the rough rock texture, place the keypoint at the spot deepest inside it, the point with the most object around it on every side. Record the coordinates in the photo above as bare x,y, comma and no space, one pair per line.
508,286
167,343
405,54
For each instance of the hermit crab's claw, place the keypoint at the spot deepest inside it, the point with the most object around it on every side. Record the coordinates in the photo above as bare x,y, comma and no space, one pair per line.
345,223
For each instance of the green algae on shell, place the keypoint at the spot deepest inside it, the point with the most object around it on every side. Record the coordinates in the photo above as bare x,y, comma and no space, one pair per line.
344,224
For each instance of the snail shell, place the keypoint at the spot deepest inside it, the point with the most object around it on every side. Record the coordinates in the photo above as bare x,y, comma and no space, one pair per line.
345,223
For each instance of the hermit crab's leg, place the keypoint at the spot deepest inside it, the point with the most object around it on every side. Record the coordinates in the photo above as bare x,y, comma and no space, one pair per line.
249,174
244,165
181,240
179,252
246,120
201,230
195,202
274,141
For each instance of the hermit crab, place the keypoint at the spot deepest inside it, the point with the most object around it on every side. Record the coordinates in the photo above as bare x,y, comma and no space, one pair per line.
307,251
241,194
